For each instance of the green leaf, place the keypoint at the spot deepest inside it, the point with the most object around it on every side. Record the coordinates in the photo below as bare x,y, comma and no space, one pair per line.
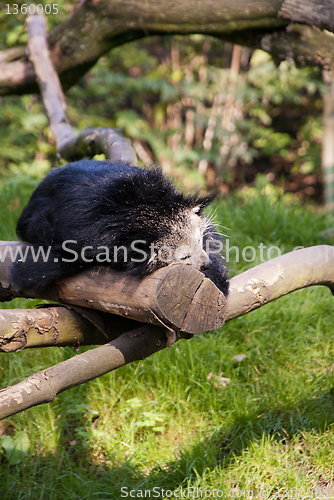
16,448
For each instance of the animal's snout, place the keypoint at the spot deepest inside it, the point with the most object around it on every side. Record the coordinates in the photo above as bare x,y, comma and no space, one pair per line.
206,264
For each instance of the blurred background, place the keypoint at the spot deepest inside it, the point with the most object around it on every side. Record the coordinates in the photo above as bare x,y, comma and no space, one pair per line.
214,115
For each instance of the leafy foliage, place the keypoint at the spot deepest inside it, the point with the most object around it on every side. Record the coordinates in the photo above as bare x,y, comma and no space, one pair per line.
197,116
15,447
185,104
12,30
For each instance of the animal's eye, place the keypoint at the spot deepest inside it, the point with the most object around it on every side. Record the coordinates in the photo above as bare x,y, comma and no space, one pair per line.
186,257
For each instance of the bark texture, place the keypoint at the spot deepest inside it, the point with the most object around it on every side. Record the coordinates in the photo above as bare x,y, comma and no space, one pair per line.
58,325
248,291
177,297
44,386
96,26
318,13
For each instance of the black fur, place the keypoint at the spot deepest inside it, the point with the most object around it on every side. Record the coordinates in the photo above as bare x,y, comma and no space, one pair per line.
99,204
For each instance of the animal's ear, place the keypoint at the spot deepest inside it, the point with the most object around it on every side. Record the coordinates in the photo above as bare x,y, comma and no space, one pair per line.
202,203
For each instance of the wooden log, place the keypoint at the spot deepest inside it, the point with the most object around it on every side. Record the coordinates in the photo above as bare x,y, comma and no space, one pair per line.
177,297
310,12
90,141
59,325
44,386
277,277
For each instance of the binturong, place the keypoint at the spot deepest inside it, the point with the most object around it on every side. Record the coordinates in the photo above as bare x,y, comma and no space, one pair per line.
132,219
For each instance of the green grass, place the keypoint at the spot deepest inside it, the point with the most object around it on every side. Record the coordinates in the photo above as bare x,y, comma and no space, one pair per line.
162,423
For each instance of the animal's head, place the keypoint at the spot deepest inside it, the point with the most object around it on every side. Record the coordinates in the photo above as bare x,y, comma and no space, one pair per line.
161,224
182,242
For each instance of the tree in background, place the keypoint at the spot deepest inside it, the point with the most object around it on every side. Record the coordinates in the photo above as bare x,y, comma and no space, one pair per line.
195,104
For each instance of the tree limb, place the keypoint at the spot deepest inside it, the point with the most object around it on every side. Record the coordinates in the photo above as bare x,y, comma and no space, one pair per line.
312,12
280,276
306,45
90,141
44,386
59,325
177,297
94,28
248,291
164,298
48,80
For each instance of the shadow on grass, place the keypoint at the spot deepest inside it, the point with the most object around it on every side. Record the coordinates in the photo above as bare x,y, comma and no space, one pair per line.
76,472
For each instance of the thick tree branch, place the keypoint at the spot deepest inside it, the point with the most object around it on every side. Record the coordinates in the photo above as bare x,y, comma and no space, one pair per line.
94,28
277,277
165,298
327,149
44,386
303,44
48,80
138,299
59,326
313,12
248,291
90,141
177,297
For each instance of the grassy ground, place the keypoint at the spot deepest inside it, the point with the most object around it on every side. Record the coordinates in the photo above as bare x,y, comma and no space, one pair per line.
164,423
